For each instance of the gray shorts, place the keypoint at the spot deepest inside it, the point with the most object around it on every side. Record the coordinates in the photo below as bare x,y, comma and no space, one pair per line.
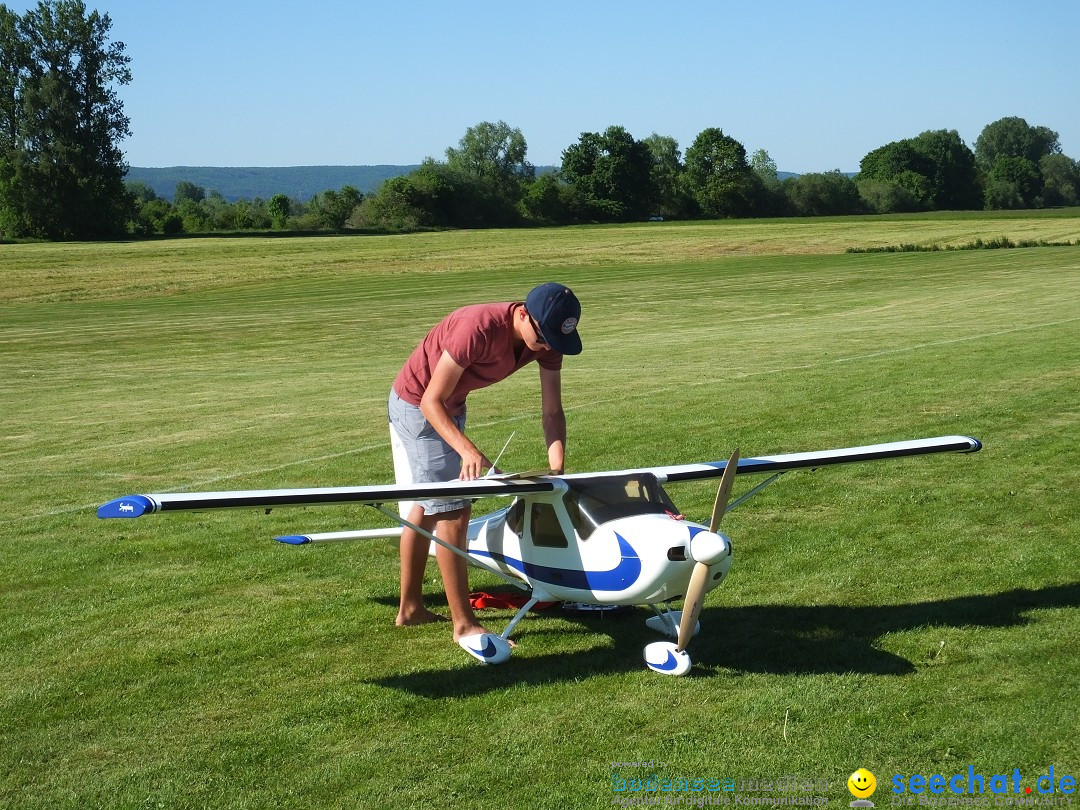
421,455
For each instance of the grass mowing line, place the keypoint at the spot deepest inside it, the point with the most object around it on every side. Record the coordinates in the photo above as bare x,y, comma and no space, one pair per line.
742,375
936,343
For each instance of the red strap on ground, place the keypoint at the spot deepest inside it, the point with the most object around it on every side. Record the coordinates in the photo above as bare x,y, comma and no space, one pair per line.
506,601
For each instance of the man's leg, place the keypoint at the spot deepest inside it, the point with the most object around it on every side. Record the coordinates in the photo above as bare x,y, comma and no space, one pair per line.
415,461
414,556
452,528
413,546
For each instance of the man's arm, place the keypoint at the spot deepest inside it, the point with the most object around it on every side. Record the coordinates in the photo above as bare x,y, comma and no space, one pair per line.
444,377
553,417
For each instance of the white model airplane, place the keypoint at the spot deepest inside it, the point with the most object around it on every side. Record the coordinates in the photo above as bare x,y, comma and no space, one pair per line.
607,539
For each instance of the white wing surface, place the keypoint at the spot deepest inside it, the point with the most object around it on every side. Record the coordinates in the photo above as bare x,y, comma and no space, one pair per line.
132,506
801,461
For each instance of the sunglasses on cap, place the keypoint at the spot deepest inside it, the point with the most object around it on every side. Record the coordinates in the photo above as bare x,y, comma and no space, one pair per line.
539,335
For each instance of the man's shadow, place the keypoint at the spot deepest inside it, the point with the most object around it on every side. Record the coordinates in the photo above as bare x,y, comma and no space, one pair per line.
774,639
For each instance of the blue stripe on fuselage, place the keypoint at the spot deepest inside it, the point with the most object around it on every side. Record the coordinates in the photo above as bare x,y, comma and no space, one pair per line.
619,578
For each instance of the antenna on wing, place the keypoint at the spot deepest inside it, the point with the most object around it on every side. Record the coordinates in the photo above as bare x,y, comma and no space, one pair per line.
495,463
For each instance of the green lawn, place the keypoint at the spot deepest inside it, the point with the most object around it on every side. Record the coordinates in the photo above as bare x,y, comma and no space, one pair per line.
910,617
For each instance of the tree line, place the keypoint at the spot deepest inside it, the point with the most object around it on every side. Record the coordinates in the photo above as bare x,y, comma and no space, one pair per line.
62,171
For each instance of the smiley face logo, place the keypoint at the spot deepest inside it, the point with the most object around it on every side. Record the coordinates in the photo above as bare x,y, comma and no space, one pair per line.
862,784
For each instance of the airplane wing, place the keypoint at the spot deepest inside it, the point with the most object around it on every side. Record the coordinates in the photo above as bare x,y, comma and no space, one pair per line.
800,461
132,506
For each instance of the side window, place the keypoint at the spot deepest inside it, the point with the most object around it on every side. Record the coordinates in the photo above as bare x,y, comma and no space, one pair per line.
515,517
573,511
545,527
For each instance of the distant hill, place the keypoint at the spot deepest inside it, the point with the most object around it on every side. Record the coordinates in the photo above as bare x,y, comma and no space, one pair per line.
246,183
298,182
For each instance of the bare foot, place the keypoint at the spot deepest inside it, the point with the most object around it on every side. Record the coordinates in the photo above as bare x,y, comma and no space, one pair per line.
419,616
468,629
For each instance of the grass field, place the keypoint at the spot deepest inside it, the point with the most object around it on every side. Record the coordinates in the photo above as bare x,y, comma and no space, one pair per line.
910,617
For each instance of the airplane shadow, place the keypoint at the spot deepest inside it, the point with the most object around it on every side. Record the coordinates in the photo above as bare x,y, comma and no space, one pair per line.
770,639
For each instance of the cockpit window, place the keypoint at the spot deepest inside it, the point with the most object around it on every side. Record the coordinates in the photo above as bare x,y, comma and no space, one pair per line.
592,501
546,530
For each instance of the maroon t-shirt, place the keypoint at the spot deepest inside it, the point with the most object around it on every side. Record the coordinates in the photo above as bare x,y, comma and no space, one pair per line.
480,339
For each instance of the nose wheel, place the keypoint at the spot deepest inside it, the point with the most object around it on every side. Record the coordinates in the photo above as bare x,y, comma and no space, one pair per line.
666,658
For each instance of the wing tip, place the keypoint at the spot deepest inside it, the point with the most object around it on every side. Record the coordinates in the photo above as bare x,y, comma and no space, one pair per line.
974,445
129,506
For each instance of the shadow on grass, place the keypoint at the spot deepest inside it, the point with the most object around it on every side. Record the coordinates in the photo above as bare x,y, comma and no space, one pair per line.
835,639
771,639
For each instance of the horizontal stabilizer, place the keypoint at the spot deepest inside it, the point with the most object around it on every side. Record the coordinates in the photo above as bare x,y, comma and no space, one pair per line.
294,539
329,537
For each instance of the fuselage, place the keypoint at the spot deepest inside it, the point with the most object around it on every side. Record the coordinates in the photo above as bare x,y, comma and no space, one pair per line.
606,541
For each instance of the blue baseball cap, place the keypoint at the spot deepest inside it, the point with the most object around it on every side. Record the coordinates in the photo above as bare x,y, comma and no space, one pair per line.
556,310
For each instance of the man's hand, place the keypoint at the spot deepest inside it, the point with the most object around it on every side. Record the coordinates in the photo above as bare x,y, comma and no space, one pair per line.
473,464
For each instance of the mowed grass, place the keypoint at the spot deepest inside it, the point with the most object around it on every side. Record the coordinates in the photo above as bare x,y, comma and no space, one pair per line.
914,616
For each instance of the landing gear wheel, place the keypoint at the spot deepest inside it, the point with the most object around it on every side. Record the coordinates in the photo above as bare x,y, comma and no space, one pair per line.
666,658
487,648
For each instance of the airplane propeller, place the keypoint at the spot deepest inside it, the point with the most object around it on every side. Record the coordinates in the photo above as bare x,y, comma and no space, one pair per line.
706,549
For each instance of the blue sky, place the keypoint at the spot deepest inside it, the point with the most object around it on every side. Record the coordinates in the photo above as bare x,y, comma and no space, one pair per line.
815,84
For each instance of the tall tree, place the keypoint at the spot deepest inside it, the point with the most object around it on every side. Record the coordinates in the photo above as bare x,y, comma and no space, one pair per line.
610,176
774,200
953,178
186,190
488,172
933,171
1014,137
667,169
542,201
765,168
494,152
13,61
1013,182
61,169
332,209
278,208
900,174
397,205
1061,180
719,177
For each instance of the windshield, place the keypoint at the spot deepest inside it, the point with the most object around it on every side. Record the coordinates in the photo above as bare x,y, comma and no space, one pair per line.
592,501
